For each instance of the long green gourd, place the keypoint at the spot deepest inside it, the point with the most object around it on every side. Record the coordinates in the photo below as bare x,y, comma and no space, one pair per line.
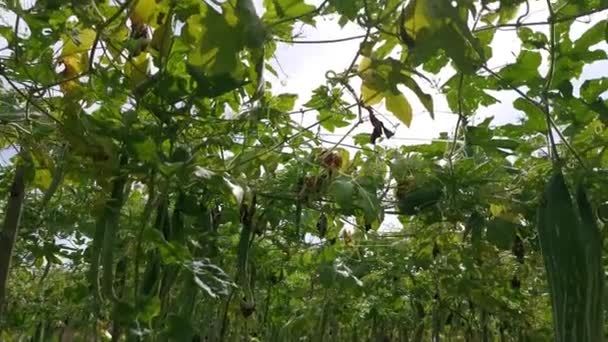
571,249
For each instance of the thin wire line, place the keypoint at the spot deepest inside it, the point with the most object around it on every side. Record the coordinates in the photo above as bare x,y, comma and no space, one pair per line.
322,41
401,138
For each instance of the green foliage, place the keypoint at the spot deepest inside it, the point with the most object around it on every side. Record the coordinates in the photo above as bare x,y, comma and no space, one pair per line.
172,195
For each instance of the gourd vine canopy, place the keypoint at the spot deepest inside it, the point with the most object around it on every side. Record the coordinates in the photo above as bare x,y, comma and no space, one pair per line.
320,170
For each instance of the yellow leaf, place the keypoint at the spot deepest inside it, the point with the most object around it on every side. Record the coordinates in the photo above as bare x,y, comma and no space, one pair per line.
399,106
370,95
42,179
78,41
144,12
418,15
373,85
70,87
73,65
137,69
364,65
345,158
500,211
496,209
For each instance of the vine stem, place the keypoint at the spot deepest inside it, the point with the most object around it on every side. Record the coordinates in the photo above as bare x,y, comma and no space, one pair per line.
541,23
546,108
280,144
460,119
103,26
28,98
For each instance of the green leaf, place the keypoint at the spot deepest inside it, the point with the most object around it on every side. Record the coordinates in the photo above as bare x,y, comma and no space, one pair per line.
400,107
178,328
146,150
402,167
394,72
425,99
361,139
501,233
503,143
347,8
327,275
171,253
277,10
590,37
369,203
471,95
486,301
284,102
170,169
213,85
532,39
435,25
150,309
508,11
342,192
125,312
436,63
535,120
592,89
78,41
524,71
331,120
216,40
254,32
